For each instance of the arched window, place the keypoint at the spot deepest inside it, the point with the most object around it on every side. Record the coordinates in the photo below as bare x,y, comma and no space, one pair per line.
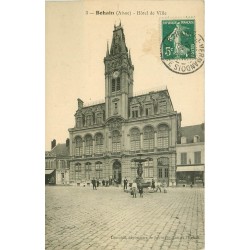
148,138
148,168
88,170
162,136
78,148
116,141
88,145
98,169
135,139
99,144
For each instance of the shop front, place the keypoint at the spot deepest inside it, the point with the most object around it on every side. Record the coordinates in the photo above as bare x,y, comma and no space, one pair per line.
50,176
190,175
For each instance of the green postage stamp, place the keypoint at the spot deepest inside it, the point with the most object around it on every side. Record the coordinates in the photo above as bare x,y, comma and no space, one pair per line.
182,50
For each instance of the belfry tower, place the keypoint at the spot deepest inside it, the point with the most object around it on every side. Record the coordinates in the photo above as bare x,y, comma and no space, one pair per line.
118,76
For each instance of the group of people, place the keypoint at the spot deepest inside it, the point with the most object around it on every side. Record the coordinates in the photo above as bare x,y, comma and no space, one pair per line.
135,187
154,187
105,183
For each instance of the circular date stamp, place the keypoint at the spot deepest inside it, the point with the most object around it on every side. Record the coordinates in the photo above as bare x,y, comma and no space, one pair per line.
182,50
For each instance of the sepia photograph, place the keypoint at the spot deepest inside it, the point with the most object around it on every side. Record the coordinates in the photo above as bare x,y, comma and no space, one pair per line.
125,125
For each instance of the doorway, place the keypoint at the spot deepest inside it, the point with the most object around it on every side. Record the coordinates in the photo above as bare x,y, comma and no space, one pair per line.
117,172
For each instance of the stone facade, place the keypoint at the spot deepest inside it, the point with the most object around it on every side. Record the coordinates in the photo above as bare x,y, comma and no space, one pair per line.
108,136
57,159
191,156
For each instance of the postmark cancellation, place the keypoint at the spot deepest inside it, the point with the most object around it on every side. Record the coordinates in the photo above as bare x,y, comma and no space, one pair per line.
182,49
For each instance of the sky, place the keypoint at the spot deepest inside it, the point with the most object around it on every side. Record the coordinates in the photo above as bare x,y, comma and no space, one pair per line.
76,44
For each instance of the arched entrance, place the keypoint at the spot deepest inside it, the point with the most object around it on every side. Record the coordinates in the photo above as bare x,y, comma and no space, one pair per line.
117,171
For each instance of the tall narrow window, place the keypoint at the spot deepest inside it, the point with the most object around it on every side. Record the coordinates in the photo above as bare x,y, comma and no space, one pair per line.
135,139
116,141
79,122
88,145
88,120
133,170
148,168
113,85
163,107
88,170
98,169
99,144
183,158
78,147
99,117
118,84
197,157
78,169
162,136
148,138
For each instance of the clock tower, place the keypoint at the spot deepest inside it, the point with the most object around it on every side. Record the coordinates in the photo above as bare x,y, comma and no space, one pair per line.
118,76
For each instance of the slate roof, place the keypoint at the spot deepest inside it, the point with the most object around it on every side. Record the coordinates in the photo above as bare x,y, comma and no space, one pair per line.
60,150
190,131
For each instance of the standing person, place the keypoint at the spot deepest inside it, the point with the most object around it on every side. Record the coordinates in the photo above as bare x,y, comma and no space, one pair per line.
103,182
158,186
134,189
140,188
94,184
153,184
98,183
125,183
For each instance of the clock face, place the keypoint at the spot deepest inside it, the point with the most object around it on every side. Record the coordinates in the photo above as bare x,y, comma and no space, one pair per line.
116,74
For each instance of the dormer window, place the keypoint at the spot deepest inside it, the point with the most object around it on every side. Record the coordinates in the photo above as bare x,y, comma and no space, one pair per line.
183,140
196,138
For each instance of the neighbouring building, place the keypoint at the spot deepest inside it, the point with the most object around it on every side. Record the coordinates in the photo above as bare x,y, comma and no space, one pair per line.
190,156
108,136
57,163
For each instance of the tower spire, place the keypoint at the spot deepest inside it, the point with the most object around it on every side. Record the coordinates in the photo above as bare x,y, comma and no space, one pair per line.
107,53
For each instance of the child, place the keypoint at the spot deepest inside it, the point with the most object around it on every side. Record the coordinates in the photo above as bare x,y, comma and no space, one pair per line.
141,191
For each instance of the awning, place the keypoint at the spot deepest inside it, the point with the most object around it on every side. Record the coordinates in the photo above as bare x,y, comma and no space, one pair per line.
190,168
49,171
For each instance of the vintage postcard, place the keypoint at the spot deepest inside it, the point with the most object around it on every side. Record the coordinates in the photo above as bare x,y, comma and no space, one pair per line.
124,160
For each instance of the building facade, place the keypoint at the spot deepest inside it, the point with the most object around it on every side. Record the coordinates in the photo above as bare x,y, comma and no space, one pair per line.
57,164
190,156
107,137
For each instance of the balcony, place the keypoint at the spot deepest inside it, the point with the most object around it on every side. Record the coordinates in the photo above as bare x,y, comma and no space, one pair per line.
162,149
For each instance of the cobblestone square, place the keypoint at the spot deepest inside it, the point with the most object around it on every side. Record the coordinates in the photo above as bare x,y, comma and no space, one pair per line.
109,218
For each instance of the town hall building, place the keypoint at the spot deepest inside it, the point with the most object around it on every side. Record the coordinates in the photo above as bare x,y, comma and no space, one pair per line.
107,137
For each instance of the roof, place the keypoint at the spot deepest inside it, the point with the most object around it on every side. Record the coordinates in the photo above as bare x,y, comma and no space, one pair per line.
190,131
60,150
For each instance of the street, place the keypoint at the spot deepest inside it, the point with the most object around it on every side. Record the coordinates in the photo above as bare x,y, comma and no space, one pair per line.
109,218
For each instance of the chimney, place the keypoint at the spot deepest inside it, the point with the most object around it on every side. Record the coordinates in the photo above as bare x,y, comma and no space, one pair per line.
53,144
80,103
67,142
